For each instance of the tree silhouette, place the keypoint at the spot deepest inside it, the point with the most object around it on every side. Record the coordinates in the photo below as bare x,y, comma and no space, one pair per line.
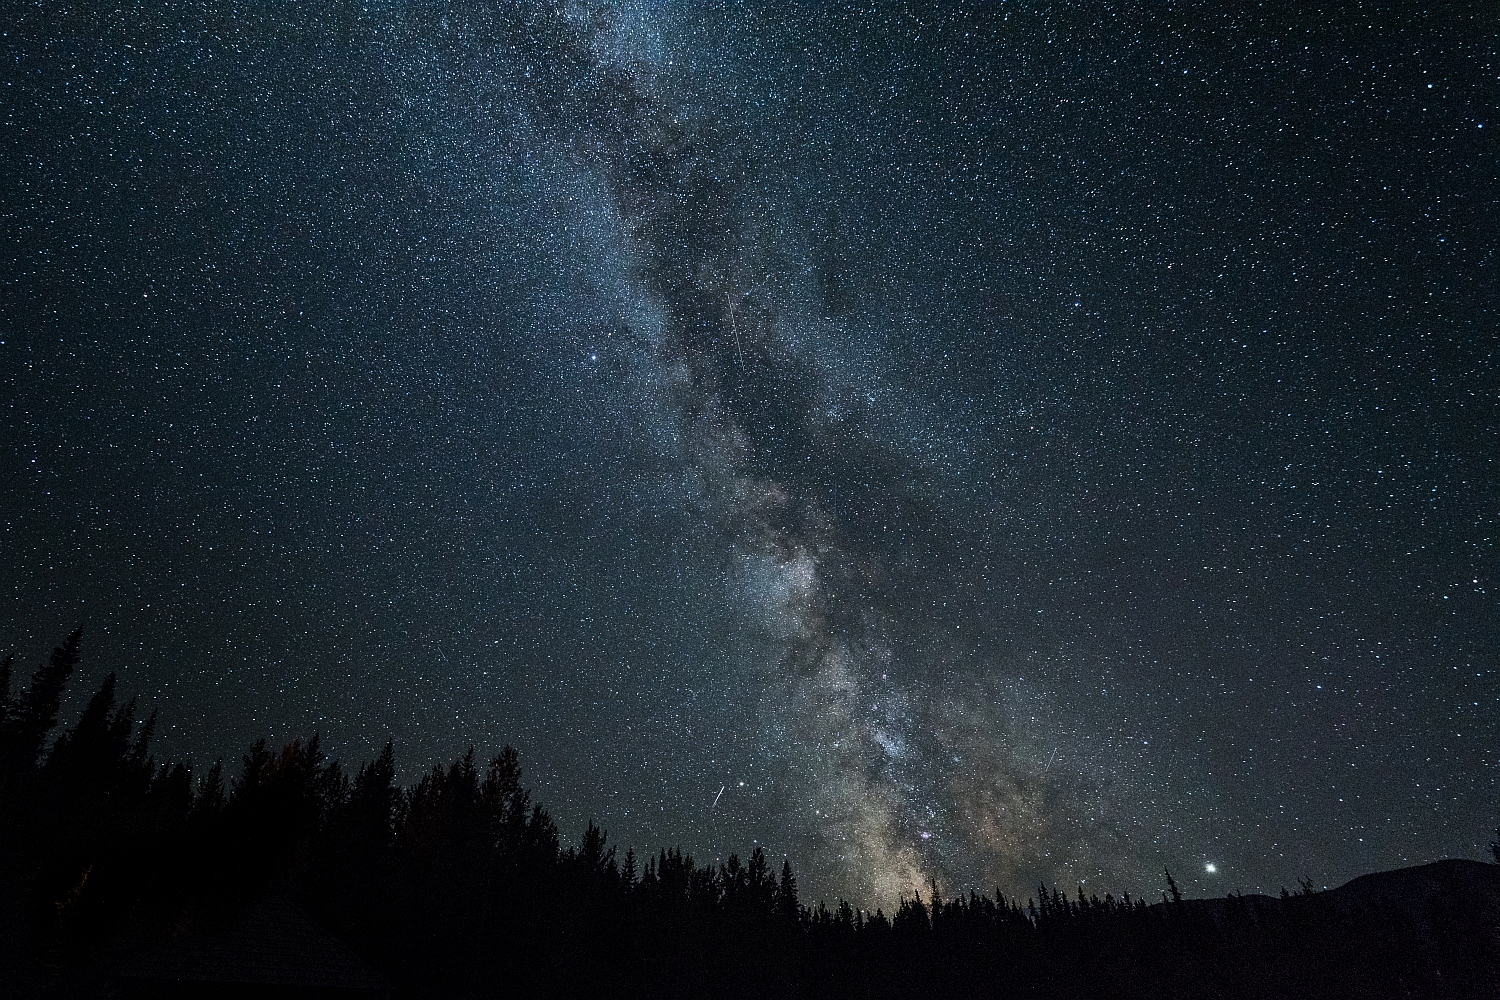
788,909
1172,887
6,665
459,884
29,718
371,806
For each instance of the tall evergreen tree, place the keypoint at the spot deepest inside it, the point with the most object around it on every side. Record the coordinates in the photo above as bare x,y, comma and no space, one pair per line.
1172,887
371,808
24,729
760,886
208,799
503,801
6,666
787,907
96,757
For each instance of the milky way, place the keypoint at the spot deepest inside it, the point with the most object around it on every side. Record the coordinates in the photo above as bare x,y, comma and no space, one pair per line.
993,444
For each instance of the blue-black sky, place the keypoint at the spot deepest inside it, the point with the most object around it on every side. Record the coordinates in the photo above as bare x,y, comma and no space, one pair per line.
992,442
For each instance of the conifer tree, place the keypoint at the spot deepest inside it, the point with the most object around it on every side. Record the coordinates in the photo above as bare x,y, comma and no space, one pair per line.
592,857
504,802
6,665
24,729
92,752
787,907
372,801
760,885
208,801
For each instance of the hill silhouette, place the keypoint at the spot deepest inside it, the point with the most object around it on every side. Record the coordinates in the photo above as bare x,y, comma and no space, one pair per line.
1417,892
119,873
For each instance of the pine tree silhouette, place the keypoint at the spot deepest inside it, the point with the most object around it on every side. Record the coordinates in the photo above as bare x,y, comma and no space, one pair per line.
1172,887
29,719
760,887
88,758
209,798
371,808
6,666
504,802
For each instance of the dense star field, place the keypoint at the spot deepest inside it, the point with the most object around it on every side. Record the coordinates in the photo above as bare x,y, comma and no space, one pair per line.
988,442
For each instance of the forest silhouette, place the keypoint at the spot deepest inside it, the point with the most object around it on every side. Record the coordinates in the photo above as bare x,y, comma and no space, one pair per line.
459,885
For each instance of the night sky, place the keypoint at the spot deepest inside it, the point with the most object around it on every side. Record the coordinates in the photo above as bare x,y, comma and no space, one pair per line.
986,442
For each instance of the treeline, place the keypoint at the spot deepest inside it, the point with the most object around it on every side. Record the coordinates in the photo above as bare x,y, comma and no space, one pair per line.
459,885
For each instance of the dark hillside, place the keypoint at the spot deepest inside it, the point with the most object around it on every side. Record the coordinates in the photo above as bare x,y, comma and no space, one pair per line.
1419,892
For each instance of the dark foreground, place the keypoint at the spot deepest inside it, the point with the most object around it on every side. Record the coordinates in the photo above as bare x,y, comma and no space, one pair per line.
122,876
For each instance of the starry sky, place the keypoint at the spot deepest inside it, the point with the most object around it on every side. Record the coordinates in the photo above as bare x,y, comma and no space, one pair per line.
982,442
